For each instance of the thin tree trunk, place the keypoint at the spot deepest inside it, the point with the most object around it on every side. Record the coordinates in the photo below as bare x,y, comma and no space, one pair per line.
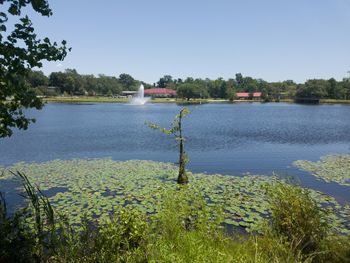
182,179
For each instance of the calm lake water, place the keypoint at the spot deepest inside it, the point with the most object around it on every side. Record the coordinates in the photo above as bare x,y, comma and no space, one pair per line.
222,138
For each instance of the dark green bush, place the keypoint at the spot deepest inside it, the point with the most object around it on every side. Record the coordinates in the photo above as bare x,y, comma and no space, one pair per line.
297,218
16,240
335,249
120,239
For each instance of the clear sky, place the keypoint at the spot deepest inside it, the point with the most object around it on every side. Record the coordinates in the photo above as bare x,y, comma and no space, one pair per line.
269,39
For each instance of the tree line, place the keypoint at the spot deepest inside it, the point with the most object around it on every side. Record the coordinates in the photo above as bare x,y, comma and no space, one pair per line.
70,82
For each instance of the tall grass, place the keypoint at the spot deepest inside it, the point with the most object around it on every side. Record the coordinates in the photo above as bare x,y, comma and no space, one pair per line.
185,232
296,217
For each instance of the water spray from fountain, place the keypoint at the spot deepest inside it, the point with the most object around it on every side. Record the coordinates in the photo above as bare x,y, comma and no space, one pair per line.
140,98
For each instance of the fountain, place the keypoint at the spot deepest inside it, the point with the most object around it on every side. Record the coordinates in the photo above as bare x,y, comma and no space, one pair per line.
140,98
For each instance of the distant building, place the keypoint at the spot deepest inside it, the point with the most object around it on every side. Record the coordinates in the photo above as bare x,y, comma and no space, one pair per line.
128,94
248,95
242,95
160,92
257,95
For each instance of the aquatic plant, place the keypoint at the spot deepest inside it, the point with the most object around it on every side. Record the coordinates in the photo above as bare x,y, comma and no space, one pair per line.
331,168
99,187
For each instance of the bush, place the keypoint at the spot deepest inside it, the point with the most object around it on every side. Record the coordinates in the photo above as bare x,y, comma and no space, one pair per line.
117,239
336,249
184,232
121,238
16,240
297,219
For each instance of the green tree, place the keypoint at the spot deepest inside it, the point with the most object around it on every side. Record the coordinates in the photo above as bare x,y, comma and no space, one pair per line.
20,51
230,90
247,84
239,80
342,89
90,84
127,81
63,81
57,79
37,78
230,93
332,88
165,81
216,88
177,130
75,82
108,85
191,91
314,88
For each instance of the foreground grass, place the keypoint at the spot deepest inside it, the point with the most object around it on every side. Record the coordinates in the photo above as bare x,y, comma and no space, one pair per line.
108,211
183,231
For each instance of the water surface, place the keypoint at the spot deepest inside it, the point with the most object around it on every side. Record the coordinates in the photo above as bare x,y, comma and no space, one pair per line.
222,138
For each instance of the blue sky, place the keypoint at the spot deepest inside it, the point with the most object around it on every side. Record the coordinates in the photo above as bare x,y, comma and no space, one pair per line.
269,39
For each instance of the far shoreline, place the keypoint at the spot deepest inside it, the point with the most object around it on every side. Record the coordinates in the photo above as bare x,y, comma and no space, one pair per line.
100,99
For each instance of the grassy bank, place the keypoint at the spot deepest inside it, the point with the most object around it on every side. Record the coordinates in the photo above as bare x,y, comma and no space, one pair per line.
331,101
96,99
102,210
86,99
186,228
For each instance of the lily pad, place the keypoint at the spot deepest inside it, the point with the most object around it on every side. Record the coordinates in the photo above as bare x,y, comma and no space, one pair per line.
331,168
100,187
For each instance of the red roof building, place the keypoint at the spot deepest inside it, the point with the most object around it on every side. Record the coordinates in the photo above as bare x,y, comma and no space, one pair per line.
248,95
160,92
242,95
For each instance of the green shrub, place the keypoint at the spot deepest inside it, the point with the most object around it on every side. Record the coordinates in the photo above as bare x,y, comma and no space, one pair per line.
296,218
26,236
120,239
184,232
174,239
335,249
16,240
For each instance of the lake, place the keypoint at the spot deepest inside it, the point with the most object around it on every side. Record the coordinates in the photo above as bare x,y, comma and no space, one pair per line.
221,138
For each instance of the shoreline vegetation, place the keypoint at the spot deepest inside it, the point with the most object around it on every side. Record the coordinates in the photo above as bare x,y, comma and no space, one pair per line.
103,99
133,211
238,88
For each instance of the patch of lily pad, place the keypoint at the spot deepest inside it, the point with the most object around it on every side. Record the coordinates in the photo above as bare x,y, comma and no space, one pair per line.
330,168
95,188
